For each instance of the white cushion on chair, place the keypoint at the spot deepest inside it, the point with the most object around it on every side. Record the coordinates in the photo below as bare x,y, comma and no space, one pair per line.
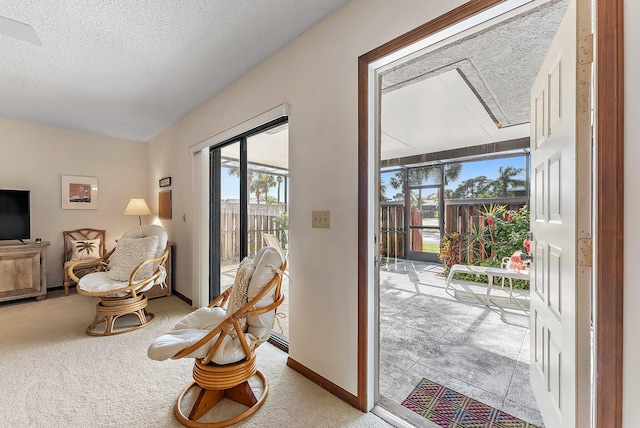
99,282
150,230
129,253
266,258
194,327
238,297
200,322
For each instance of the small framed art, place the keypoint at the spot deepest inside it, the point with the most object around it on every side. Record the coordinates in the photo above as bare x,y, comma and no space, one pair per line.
165,182
79,192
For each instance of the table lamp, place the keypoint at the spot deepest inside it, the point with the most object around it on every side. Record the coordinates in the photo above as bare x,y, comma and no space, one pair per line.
137,207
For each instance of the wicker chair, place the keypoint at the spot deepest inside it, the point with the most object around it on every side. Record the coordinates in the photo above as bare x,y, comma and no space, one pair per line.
82,244
135,265
224,350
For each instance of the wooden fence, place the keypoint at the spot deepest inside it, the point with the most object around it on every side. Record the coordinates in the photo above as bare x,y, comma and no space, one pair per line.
460,215
393,233
466,216
261,218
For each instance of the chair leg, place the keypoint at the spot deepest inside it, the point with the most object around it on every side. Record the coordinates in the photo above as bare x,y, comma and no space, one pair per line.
108,310
66,283
242,394
205,401
208,398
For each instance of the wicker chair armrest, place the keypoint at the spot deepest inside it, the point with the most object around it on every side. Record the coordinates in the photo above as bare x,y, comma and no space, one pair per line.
160,260
133,286
222,299
232,321
222,328
97,264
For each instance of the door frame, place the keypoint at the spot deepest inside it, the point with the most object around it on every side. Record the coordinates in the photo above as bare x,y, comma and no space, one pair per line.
609,202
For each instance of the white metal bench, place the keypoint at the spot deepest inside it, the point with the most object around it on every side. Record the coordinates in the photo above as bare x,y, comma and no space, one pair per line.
490,272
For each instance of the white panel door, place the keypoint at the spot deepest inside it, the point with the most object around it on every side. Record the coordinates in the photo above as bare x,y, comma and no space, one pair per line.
558,304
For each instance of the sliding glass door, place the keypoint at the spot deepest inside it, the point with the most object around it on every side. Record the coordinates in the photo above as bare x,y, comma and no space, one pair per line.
249,203
229,213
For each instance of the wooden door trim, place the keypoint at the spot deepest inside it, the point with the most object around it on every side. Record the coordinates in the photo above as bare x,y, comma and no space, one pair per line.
466,10
609,287
610,212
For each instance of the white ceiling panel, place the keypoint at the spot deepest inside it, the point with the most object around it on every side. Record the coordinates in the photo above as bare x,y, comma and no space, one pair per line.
436,114
131,68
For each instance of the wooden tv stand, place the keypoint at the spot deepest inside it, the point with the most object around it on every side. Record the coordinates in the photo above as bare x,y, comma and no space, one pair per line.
23,270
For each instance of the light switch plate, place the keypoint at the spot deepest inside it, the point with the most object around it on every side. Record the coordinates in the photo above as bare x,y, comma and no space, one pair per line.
320,219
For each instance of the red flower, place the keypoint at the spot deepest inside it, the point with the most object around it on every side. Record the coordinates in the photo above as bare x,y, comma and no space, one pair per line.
527,245
489,221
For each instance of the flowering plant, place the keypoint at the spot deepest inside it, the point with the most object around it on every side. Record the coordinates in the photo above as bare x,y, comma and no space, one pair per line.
450,249
506,231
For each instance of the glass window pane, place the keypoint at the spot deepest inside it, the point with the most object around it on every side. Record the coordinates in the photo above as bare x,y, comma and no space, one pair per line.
425,175
424,221
490,178
229,214
267,207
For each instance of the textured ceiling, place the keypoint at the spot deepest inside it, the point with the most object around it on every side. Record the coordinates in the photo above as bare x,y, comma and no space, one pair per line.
469,92
131,68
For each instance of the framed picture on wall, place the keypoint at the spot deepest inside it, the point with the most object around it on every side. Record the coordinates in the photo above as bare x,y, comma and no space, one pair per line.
164,204
79,192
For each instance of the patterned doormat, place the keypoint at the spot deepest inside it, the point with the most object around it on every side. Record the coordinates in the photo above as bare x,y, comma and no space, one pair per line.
450,409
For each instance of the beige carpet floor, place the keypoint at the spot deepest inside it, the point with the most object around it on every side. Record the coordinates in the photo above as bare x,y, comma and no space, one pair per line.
53,375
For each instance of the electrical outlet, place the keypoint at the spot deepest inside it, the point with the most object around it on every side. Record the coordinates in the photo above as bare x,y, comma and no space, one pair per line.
320,219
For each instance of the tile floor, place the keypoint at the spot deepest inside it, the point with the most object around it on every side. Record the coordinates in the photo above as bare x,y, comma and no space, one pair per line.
454,338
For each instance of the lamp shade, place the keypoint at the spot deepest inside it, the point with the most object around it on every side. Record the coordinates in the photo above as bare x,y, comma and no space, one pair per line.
137,207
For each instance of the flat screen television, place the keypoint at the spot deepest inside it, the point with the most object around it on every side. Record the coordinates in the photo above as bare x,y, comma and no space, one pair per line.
15,215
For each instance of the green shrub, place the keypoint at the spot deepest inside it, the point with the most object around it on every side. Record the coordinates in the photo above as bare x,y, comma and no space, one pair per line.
503,234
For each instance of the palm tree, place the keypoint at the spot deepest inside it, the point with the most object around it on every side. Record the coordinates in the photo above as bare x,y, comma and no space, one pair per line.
279,180
419,175
250,178
506,179
476,187
262,184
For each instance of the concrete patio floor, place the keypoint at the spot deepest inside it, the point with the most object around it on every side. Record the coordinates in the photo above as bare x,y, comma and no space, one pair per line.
454,338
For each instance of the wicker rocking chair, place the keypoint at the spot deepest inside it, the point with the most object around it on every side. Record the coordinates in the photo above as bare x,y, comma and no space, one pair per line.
120,277
223,348
82,244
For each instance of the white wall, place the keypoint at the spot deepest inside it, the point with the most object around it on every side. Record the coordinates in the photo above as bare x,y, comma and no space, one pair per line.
34,157
631,354
317,75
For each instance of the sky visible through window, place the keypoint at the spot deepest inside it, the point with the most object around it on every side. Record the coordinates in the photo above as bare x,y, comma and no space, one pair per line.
488,168
230,188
